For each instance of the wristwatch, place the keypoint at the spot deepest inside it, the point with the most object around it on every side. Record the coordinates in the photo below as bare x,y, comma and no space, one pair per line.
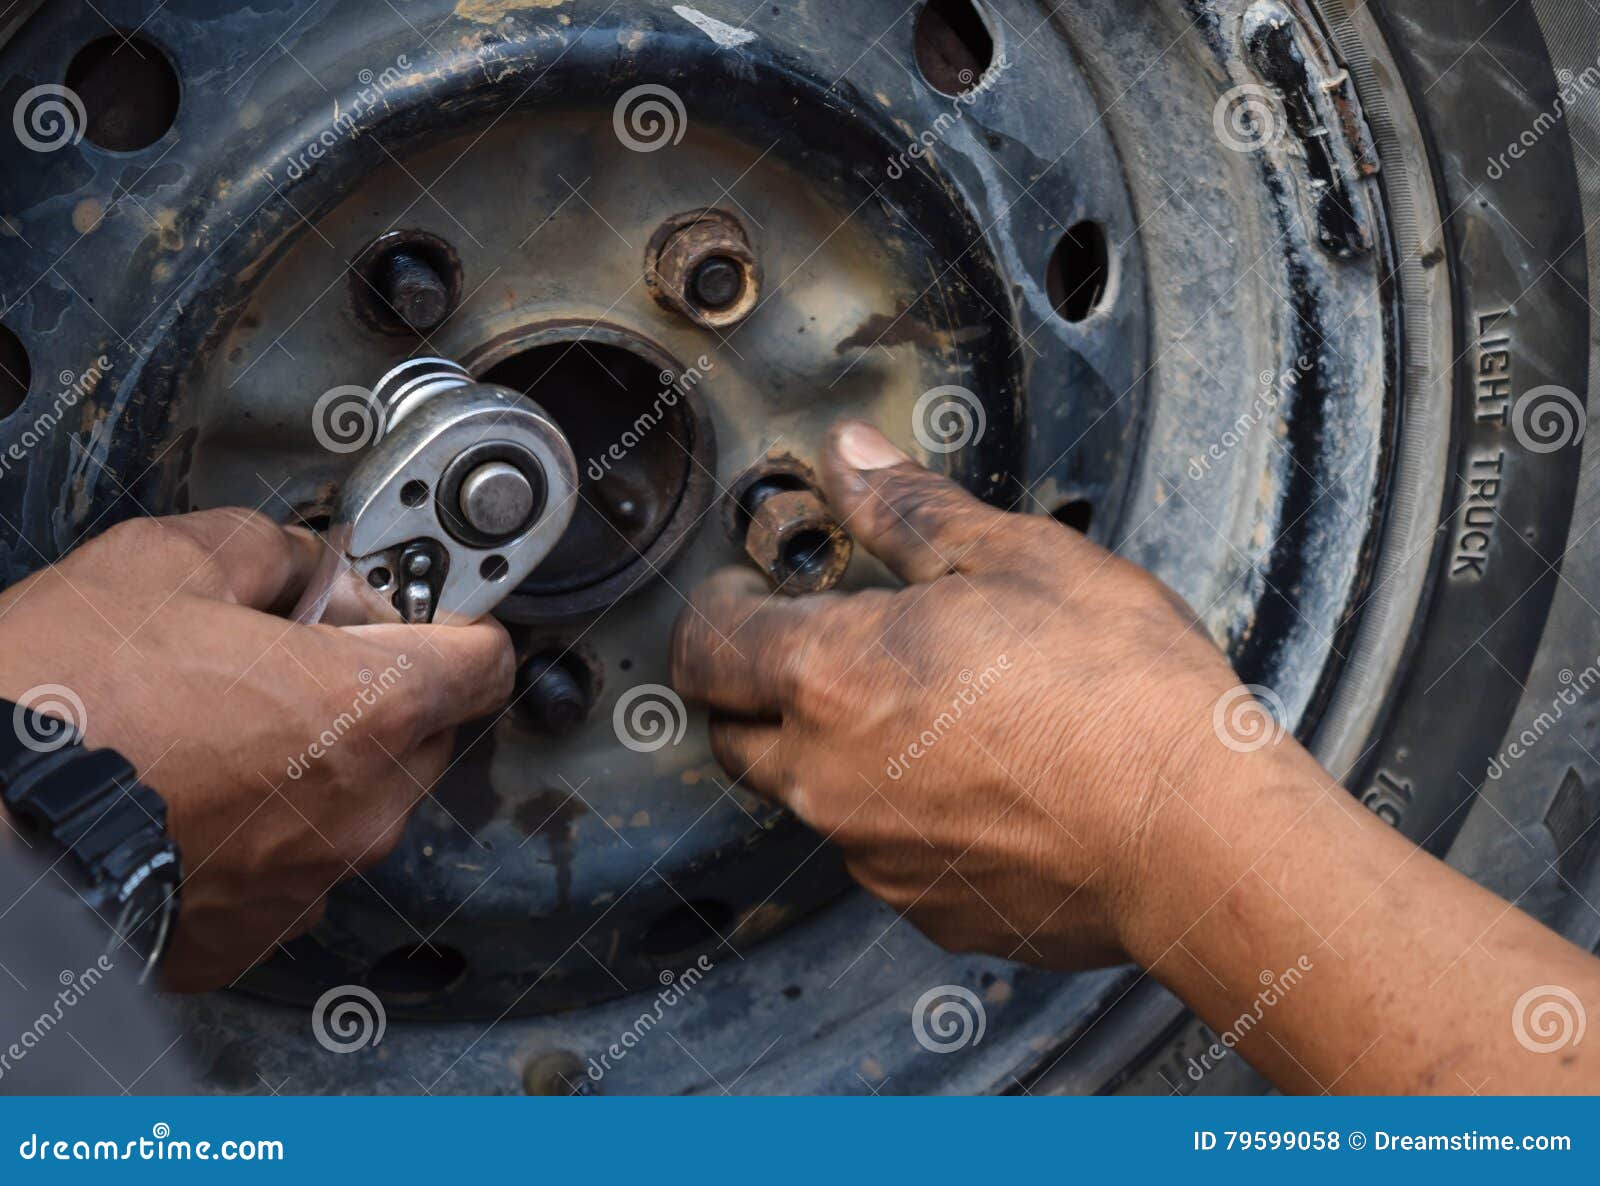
108,830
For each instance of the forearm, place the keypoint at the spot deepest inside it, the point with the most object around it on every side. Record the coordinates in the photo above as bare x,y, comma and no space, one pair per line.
1339,956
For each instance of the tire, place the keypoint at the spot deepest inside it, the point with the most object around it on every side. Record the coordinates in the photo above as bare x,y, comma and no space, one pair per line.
1487,755
1466,706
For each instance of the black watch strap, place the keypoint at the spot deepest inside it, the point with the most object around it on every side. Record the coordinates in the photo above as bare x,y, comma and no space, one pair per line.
109,828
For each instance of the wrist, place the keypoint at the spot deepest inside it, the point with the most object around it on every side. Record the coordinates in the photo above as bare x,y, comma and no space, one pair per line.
1204,835
105,830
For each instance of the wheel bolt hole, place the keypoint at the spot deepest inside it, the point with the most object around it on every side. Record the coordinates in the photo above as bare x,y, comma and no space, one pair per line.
953,45
414,493
128,91
415,975
1076,513
1079,273
380,578
494,568
16,372
685,928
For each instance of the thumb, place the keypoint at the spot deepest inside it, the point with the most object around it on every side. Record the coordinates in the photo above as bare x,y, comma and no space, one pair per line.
920,524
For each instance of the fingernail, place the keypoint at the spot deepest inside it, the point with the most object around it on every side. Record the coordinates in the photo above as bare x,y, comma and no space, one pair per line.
865,447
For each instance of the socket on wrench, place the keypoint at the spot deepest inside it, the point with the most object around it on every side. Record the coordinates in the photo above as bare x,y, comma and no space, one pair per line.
467,487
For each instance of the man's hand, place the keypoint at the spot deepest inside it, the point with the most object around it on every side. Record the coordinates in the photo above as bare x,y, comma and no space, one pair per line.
1022,751
977,742
289,756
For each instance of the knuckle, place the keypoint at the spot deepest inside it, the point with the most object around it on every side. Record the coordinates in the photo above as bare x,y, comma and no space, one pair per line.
153,542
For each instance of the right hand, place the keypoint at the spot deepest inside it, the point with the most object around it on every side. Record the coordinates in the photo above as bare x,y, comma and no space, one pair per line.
290,757
993,746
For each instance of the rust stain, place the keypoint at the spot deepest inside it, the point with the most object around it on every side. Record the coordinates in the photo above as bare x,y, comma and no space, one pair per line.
882,330
86,215
492,12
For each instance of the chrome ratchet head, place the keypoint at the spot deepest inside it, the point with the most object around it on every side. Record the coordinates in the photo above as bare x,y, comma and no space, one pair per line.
468,487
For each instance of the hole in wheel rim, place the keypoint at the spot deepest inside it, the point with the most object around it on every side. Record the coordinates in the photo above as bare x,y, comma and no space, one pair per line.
1076,513
16,372
689,926
1080,271
416,974
129,91
953,46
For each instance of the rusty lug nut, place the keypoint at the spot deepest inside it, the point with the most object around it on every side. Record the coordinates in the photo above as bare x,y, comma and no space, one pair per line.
416,292
797,542
700,265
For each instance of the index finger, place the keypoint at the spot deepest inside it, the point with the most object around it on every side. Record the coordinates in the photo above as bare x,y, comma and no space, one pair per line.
737,647
230,554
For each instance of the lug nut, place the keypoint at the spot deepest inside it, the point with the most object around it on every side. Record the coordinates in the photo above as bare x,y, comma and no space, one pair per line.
496,499
416,292
700,265
777,514
797,542
552,698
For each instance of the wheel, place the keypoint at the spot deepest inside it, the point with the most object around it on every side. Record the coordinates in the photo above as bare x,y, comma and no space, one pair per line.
1286,301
